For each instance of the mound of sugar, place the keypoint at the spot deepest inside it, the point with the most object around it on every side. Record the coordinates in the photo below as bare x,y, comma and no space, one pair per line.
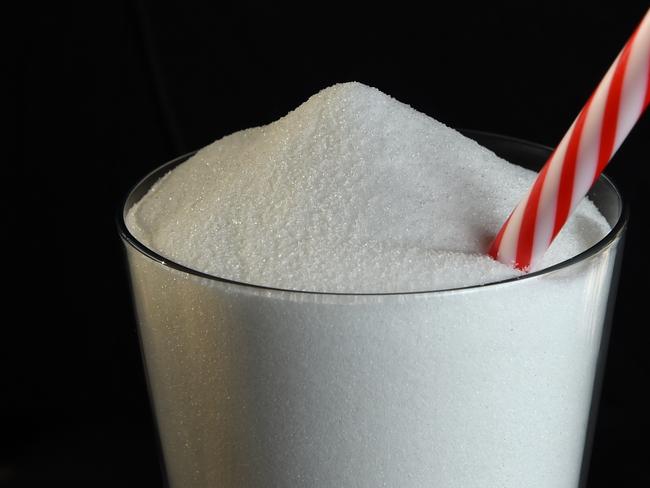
353,191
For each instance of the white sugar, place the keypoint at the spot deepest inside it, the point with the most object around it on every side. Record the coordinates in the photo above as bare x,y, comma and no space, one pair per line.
356,192
351,192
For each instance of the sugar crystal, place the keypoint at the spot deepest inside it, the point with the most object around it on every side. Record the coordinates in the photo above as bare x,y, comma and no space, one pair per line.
352,191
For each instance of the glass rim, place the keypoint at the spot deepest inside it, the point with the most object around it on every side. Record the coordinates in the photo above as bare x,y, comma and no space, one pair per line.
614,234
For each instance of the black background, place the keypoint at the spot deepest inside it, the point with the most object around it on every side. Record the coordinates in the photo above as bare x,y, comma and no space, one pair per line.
104,94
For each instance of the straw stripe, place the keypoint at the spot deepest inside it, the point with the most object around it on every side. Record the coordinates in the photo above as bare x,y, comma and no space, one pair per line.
548,202
646,101
634,89
610,119
525,244
586,148
636,83
569,170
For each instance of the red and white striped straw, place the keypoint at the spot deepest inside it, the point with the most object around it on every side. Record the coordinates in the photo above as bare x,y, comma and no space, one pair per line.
581,156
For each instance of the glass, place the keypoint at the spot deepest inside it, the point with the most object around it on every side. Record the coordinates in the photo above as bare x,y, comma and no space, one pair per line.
480,386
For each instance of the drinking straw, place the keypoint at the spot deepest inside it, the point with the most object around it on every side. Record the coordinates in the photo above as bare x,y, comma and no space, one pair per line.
584,151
